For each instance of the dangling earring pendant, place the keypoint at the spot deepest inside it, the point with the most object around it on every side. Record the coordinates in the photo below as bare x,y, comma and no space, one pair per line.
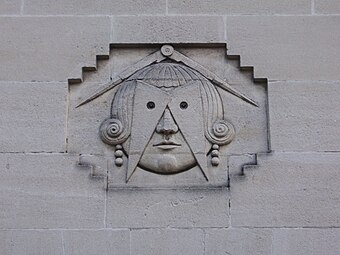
119,155
215,160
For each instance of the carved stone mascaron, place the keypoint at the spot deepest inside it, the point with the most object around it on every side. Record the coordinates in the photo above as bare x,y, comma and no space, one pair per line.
167,118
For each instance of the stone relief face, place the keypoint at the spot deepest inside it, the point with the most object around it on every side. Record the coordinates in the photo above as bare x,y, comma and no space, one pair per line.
168,124
168,151
167,118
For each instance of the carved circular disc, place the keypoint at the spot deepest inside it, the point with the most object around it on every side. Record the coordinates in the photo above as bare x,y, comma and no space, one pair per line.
223,132
215,161
215,153
112,132
119,161
167,50
118,153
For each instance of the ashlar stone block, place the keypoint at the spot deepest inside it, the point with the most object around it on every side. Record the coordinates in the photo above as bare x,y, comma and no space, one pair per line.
23,242
167,208
288,190
238,241
167,241
304,116
48,191
50,48
278,241
239,7
327,6
10,7
173,29
89,242
78,7
306,241
287,47
33,117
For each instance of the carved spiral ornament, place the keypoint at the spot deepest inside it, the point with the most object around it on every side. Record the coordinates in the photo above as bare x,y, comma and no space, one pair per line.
111,131
223,132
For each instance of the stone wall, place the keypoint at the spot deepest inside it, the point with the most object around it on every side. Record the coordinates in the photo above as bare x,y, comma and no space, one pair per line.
289,203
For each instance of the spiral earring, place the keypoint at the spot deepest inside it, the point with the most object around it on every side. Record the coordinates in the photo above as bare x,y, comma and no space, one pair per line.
215,160
112,132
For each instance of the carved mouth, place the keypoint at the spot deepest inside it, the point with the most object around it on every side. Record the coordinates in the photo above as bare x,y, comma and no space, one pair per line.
167,145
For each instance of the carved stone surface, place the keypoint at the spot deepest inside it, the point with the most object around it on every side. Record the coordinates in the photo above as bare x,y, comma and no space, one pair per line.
169,123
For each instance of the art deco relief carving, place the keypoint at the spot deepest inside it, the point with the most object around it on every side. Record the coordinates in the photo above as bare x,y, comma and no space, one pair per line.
168,112
167,123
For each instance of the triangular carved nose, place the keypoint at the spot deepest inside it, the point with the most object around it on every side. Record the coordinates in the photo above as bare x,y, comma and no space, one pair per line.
167,124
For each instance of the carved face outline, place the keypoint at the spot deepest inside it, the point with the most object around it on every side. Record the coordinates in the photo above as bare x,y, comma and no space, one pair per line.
167,145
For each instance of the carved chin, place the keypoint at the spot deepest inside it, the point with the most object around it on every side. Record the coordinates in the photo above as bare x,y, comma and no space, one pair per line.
166,164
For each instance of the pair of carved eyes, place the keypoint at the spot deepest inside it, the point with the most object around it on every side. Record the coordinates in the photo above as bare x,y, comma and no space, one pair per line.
151,105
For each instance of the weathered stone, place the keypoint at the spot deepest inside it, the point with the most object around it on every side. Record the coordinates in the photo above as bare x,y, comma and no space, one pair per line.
287,48
306,241
32,117
23,242
48,191
84,122
173,29
288,190
48,48
167,208
10,6
278,241
91,242
98,77
238,7
288,204
304,116
236,163
327,6
238,241
167,241
94,7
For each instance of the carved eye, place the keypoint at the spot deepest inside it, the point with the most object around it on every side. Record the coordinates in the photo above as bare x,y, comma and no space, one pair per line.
150,105
183,105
